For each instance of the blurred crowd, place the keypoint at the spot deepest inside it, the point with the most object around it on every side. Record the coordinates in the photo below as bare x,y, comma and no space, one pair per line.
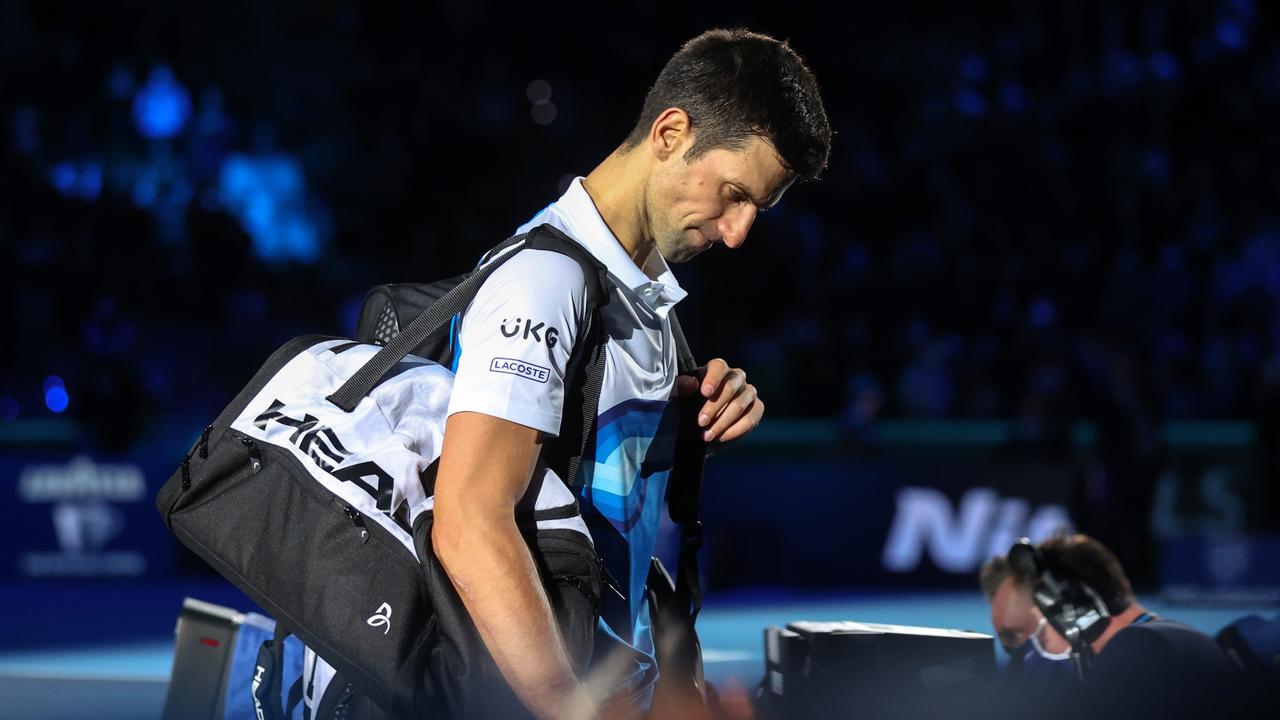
1042,212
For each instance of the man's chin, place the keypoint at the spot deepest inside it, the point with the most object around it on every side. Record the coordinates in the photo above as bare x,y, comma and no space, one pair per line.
684,254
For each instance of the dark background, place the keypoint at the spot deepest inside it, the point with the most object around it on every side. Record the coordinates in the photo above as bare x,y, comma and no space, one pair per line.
1044,260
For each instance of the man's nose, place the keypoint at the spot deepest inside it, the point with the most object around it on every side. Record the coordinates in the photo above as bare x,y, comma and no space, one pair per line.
735,223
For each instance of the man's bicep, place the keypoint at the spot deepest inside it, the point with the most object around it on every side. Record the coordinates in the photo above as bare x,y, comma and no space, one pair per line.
487,460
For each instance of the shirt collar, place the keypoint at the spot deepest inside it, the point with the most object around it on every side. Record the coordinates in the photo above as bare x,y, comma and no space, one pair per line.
655,284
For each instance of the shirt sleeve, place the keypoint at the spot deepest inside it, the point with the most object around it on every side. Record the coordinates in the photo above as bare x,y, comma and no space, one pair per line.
515,339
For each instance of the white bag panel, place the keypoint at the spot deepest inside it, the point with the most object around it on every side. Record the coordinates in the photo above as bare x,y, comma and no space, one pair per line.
399,427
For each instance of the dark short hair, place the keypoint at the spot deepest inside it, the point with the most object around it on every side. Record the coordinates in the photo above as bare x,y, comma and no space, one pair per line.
736,84
1081,557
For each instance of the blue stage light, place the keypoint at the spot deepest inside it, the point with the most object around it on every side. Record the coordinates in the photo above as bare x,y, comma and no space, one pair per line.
269,196
89,182
1014,97
1042,313
145,190
53,381
63,177
56,399
974,68
971,103
162,105
1164,66
8,408
1231,34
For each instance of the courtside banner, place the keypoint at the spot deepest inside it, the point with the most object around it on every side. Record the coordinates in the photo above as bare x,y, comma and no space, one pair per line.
848,522
82,515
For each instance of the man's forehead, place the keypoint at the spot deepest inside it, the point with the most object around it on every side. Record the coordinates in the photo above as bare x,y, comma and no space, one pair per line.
1010,598
760,173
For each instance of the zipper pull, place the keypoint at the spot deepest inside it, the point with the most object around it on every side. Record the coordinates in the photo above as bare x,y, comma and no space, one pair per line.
609,581
357,519
186,473
254,457
204,442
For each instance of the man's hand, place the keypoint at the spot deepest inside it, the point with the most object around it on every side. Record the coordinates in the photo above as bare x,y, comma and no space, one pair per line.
732,409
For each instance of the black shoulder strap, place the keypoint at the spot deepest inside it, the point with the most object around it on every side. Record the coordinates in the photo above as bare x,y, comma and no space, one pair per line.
543,237
584,374
684,489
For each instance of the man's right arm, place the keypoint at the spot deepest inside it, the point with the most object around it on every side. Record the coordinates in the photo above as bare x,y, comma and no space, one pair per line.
485,468
515,340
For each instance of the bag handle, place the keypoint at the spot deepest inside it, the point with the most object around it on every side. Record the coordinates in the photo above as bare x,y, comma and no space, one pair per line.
441,311
268,678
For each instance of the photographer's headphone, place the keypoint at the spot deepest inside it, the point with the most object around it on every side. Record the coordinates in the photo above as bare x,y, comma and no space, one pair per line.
1070,605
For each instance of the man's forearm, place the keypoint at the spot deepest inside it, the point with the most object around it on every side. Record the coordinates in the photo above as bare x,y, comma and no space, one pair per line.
489,564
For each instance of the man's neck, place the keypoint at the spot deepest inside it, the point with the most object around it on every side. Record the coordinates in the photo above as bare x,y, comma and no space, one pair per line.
1118,623
617,190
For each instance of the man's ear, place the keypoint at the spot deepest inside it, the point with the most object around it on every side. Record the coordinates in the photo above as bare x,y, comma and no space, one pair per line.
671,134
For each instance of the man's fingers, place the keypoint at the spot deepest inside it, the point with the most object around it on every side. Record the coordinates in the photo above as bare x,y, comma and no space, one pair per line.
712,375
734,407
731,384
745,424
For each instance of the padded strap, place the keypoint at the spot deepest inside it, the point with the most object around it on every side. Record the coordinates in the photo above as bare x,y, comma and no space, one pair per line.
593,358
543,237
684,491
685,362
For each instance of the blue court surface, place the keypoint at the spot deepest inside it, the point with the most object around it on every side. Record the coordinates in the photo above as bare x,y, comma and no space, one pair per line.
105,651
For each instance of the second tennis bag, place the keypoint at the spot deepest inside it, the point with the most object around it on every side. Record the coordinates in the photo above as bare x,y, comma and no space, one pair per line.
312,493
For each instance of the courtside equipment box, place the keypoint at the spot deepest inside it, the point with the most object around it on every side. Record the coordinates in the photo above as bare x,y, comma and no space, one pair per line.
869,670
212,643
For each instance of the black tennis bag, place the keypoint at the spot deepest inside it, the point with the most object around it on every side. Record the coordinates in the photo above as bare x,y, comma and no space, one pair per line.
306,495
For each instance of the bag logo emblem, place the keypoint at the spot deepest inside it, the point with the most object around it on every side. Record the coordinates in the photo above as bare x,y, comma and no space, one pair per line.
321,444
316,441
257,682
380,619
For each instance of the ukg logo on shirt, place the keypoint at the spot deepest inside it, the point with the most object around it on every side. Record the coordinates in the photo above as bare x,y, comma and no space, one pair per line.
530,330
520,368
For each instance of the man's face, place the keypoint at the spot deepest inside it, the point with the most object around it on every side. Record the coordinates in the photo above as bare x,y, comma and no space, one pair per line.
692,205
1013,615
1016,618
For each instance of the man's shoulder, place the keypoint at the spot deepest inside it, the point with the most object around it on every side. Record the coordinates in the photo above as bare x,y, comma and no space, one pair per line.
536,272
1163,668
1166,631
1163,641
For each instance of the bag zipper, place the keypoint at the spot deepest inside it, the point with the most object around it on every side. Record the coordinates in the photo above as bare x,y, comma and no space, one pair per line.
577,582
203,442
255,458
202,447
357,519
609,580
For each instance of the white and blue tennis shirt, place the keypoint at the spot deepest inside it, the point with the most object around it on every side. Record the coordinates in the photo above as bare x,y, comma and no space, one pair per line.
513,346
